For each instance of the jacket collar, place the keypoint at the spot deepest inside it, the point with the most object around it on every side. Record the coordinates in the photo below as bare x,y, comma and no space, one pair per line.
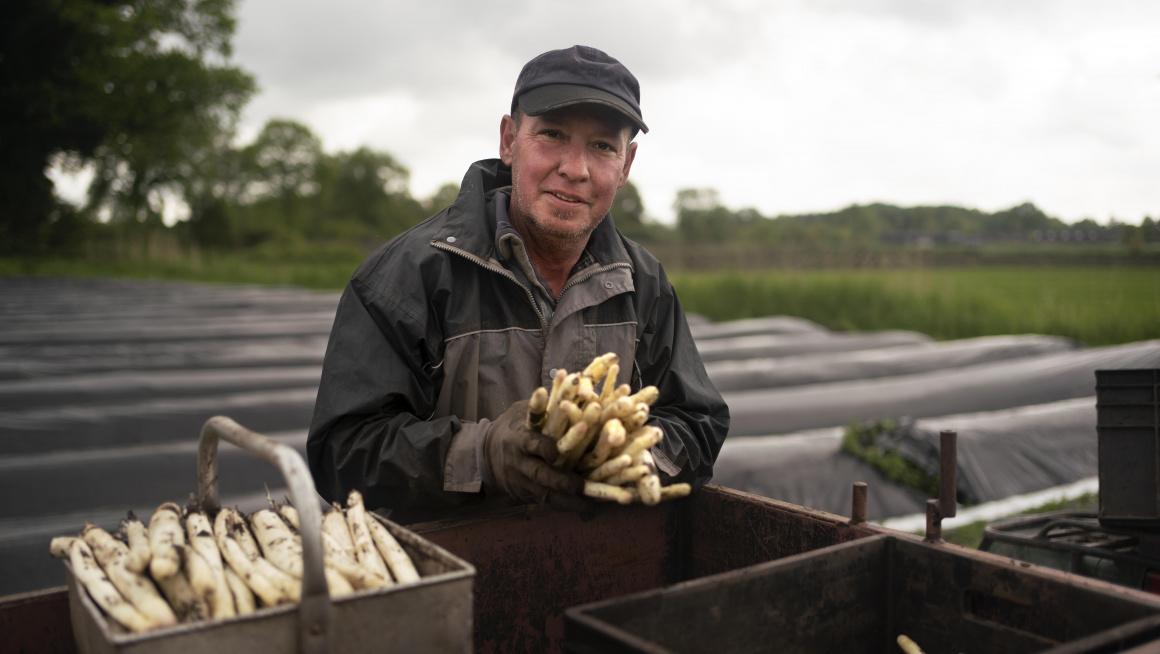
470,228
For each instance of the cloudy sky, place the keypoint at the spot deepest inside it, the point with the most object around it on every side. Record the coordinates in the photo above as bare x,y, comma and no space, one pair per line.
785,106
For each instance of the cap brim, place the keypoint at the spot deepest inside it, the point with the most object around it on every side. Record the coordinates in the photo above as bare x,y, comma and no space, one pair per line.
543,99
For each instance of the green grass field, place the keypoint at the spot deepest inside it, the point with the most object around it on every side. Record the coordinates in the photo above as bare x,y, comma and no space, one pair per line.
1097,305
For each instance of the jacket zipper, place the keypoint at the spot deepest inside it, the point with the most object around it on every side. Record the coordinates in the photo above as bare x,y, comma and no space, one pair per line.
593,272
500,271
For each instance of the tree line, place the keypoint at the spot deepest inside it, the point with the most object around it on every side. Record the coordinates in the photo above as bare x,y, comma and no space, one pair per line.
141,92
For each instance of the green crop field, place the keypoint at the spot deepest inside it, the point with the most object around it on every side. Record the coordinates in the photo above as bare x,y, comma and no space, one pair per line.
1094,304
1097,305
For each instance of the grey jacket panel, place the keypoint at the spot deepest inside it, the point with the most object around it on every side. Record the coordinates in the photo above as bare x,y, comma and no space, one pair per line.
433,338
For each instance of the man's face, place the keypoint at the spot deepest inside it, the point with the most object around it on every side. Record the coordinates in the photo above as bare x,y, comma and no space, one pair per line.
566,168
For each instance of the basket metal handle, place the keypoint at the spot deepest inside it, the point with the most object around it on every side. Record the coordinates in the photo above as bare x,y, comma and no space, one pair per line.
314,608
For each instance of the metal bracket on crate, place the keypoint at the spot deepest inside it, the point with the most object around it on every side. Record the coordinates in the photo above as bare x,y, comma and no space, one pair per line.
945,506
314,607
858,503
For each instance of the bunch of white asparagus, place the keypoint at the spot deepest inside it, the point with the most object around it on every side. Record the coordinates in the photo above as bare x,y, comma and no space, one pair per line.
600,432
188,566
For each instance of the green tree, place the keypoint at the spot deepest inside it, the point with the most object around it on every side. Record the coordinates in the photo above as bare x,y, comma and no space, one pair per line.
1149,230
279,174
442,199
370,189
139,88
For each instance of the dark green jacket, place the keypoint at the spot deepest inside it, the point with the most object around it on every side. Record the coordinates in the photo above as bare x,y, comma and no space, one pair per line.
435,336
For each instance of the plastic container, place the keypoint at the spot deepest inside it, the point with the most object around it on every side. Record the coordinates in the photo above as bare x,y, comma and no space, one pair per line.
1128,426
431,615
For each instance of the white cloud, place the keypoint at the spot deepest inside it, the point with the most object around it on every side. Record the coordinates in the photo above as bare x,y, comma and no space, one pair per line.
786,106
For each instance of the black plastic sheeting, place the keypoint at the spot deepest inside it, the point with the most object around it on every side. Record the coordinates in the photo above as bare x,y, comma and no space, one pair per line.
66,359
1000,453
806,369
704,330
1007,453
778,345
808,468
985,387
105,384
104,388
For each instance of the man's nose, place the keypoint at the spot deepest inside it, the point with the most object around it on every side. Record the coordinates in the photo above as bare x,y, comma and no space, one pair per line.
574,162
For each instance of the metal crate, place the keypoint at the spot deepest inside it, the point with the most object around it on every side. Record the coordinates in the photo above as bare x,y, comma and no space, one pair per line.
534,563
432,615
858,597
1128,425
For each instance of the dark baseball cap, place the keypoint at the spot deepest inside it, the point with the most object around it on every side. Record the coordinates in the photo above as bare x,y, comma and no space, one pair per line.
577,75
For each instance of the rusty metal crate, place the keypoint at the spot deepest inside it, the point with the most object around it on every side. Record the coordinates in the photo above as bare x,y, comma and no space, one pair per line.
431,615
860,596
532,564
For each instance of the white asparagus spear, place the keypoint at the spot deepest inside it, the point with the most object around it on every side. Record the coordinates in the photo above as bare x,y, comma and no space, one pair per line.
277,541
554,393
348,567
364,545
243,597
620,408
573,447
649,487
570,440
334,524
610,467
584,392
270,592
336,584
908,646
200,576
558,419
636,419
393,554
290,515
199,530
166,535
103,592
674,491
186,603
641,440
59,547
537,408
602,491
232,524
135,587
138,537
611,436
599,366
627,476
647,396
606,392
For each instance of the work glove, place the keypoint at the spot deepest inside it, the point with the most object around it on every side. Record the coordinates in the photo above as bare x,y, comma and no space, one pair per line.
520,460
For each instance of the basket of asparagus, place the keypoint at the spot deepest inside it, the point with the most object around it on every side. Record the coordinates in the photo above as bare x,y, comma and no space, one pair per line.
283,579
600,432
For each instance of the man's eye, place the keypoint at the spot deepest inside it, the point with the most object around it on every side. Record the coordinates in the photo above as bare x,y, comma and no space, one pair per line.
604,146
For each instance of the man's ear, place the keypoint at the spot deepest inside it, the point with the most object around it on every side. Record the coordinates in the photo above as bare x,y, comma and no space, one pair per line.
630,154
507,136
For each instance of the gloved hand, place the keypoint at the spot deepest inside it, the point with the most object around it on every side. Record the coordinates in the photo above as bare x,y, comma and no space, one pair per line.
520,461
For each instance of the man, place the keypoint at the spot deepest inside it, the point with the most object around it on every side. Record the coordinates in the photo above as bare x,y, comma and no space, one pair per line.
443,333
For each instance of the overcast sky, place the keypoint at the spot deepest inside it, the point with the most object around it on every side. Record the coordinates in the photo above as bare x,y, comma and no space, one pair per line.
783,106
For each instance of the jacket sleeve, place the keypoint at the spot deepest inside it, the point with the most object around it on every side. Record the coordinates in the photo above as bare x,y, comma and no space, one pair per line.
689,409
379,383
